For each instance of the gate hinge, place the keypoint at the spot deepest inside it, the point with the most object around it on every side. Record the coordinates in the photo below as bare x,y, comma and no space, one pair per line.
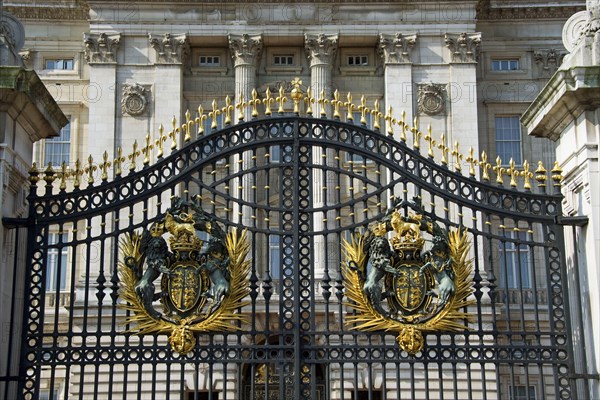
12,223
578,220
585,376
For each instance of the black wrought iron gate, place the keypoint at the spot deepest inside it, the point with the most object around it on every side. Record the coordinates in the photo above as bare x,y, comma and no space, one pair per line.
299,185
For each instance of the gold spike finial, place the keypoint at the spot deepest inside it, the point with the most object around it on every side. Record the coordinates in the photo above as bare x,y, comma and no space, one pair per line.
430,142
104,166
90,169
146,150
540,175
309,100
350,107
268,101
416,134
281,99
133,156
213,115
63,174
403,126
390,121
77,172
159,142
444,149
200,119
363,110
323,101
484,166
49,174
513,172
120,159
254,103
227,110
240,106
472,161
296,94
457,157
499,170
34,174
172,134
336,103
187,126
527,175
376,115
557,176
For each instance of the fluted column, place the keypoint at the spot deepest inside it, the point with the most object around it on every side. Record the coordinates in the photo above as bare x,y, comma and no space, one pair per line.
245,51
320,50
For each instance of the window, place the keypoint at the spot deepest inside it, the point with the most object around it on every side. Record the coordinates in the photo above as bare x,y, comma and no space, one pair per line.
522,392
56,266
210,61
58,149
508,139
505,65
283,59
274,154
62,64
358,60
275,256
514,258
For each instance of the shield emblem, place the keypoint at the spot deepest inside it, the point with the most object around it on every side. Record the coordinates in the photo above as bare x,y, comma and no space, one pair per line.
185,287
410,287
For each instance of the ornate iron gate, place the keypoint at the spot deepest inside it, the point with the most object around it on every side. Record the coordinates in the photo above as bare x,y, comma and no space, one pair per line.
299,185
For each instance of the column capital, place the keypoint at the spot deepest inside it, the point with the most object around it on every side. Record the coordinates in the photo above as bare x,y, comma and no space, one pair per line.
170,49
320,48
464,47
397,48
245,48
101,48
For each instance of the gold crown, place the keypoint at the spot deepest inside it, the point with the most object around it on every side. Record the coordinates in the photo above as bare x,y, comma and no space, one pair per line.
185,242
401,244
408,234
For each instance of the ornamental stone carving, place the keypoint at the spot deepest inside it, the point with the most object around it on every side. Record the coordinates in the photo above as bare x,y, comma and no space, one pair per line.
463,47
396,49
431,98
245,48
170,49
574,30
135,99
549,60
320,48
593,8
12,29
101,48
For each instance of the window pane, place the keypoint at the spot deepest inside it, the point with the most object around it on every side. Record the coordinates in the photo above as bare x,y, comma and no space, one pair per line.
508,138
274,257
58,149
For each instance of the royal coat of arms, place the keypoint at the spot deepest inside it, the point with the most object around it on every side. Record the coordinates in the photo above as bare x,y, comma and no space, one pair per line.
202,282
396,285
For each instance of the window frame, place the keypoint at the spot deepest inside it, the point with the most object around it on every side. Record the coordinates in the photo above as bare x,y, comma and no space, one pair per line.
212,57
513,257
509,60
59,59
360,57
289,58
59,141
500,142
57,258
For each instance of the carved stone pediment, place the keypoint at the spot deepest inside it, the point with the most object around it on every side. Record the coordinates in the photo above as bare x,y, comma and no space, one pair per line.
102,47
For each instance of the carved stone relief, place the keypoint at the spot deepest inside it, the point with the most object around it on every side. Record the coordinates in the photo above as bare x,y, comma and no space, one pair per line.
464,47
396,49
548,60
135,99
321,48
101,48
245,49
170,49
431,98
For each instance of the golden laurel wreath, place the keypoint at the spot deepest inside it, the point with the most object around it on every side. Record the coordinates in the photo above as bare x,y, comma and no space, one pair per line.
450,318
182,333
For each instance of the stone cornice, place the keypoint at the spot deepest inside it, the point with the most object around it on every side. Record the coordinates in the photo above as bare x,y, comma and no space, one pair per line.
102,47
464,47
320,48
170,49
79,12
486,12
396,49
245,48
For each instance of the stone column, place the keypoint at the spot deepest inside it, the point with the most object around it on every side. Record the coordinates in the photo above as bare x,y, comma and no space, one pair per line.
321,51
245,51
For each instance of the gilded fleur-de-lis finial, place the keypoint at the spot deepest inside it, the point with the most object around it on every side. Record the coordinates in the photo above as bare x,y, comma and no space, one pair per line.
472,161
120,159
200,119
457,157
390,121
484,166
227,110
77,172
63,175
323,101
254,103
146,150
104,166
309,100
296,94
499,170
416,134
133,156
336,103
172,134
540,175
159,142
240,106
443,148
187,126
403,126
90,170
281,99
527,175
268,101
350,107
363,110
513,172
376,115
213,115
430,142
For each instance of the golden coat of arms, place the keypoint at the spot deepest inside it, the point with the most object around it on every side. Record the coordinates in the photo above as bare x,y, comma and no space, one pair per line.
396,285
202,282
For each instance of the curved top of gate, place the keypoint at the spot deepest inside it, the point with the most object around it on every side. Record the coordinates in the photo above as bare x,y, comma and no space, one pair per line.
394,149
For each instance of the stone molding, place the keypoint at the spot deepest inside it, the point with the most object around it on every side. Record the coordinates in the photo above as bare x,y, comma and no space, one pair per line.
549,60
101,48
486,12
245,49
464,47
170,49
320,48
135,99
396,49
37,12
431,98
